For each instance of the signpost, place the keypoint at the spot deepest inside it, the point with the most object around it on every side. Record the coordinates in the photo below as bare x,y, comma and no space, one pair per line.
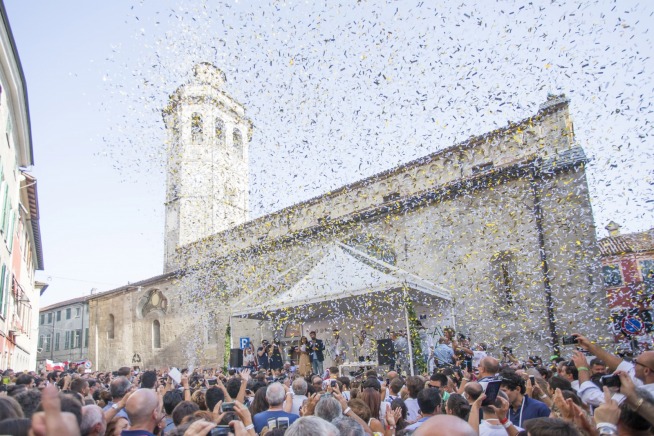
632,325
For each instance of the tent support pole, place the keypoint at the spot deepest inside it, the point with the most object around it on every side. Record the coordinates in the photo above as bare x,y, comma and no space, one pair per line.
231,332
408,331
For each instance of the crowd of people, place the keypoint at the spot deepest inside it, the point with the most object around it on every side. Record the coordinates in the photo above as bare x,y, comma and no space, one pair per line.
593,393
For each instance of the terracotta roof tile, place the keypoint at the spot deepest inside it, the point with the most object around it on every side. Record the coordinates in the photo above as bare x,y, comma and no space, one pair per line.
630,243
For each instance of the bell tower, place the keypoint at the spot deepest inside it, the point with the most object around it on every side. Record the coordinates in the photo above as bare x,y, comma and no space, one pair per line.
207,146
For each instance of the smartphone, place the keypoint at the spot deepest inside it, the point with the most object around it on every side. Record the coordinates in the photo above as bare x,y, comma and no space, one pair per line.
227,407
388,382
220,430
492,389
469,365
282,423
611,381
569,340
334,383
533,380
212,381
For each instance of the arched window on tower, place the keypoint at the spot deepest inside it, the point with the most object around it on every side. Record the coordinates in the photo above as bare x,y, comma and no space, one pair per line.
111,327
156,334
220,131
196,127
238,142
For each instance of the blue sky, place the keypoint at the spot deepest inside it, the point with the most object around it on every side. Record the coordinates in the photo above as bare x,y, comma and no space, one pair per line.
336,92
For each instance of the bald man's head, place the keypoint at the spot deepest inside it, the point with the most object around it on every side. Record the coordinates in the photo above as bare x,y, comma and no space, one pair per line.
445,425
645,367
473,390
489,366
144,410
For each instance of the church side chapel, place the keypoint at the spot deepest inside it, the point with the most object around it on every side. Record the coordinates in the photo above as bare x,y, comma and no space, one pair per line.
492,237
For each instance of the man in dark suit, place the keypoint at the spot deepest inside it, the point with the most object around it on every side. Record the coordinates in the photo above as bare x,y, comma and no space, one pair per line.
316,355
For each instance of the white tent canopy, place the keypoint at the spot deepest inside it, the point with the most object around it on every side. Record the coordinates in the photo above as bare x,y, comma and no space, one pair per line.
335,282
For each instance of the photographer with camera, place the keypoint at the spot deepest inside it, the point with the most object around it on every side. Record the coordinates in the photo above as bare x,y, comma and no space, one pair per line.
262,355
641,370
275,356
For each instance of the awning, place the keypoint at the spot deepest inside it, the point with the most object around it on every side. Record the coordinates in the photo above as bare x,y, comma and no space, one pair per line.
343,283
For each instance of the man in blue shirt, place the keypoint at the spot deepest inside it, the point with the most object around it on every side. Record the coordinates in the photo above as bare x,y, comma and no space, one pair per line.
443,354
119,388
522,407
275,395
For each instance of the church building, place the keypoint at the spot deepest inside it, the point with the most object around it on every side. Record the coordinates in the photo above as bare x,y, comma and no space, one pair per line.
493,237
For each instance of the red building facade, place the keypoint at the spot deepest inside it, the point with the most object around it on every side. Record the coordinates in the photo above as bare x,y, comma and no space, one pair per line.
628,271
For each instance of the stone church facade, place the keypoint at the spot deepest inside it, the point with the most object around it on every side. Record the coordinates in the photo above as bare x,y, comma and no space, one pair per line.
503,221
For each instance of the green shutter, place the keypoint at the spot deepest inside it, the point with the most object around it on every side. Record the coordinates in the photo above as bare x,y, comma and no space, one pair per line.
5,200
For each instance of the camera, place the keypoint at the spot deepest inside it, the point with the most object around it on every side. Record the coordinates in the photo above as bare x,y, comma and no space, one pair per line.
227,407
333,383
220,430
569,340
507,350
212,381
611,381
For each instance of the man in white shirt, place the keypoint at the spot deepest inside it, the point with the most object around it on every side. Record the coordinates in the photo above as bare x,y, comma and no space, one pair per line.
641,370
338,349
366,349
299,387
478,353
429,401
414,385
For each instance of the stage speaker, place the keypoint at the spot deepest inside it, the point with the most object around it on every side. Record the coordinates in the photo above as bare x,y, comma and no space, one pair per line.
236,358
385,352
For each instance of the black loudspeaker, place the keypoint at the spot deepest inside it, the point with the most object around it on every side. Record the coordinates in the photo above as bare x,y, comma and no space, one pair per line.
236,358
385,352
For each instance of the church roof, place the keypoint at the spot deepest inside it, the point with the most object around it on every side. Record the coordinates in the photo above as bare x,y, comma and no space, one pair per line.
65,303
342,273
631,243
554,163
